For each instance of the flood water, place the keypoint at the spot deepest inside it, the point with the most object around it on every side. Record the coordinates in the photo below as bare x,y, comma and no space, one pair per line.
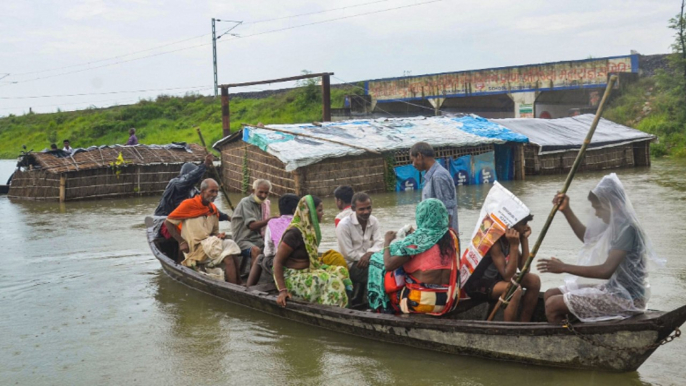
83,302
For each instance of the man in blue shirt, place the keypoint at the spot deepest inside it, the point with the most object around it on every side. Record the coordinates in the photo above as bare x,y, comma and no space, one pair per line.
438,183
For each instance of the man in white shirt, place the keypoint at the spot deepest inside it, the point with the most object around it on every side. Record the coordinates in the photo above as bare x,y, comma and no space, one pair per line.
66,147
359,237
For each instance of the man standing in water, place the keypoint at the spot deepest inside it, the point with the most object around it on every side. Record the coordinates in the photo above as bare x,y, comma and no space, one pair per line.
437,181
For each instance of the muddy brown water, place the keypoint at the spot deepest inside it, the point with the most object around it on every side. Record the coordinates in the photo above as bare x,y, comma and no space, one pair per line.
83,302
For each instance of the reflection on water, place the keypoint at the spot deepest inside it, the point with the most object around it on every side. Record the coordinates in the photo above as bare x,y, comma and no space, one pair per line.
84,302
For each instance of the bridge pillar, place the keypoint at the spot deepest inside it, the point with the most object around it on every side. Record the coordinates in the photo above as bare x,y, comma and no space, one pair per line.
437,103
524,103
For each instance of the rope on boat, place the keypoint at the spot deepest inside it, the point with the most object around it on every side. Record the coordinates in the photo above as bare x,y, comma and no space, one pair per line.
567,325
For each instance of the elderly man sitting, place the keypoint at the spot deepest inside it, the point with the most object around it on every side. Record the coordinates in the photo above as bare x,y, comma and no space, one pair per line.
249,218
195,225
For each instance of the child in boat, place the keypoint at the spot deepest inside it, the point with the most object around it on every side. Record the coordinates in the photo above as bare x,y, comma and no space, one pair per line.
615,249
272,236
497,269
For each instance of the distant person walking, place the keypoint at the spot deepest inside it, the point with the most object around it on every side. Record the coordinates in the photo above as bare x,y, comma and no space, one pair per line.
437,181
66,147
133,140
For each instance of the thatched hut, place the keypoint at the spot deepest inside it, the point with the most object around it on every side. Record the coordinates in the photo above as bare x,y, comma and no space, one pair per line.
316,158
99,172
554,144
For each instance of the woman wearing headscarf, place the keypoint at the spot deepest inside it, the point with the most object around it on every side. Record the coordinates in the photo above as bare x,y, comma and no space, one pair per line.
616,250
417,274
298,271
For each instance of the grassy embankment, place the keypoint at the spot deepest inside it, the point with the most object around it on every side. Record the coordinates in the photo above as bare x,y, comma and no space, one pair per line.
654,107
160,121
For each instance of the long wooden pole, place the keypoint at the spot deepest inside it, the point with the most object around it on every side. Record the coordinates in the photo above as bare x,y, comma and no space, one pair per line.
313,137
511,288
216,173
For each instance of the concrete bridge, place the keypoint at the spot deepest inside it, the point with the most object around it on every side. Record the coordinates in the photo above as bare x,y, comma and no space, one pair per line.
547,90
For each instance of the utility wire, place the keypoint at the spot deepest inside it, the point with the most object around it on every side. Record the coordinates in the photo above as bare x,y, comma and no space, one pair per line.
336,19
316,12
243,37
185,40
103,93
58,105
111,58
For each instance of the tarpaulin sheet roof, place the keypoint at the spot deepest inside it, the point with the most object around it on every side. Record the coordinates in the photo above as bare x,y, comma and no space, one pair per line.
562,134
376,134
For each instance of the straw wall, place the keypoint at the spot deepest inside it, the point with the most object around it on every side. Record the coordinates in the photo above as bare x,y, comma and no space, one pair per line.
363,173
260,165
93,183
595,159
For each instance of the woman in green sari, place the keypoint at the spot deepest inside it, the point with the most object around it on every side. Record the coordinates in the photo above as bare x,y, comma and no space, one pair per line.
298,271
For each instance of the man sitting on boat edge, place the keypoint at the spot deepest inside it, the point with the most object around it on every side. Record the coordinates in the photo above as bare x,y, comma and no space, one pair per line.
195,225
359,236
249,219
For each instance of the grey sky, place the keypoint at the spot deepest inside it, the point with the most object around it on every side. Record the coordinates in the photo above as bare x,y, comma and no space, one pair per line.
448,35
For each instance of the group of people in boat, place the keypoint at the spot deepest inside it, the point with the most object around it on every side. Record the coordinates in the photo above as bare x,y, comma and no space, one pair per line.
414,270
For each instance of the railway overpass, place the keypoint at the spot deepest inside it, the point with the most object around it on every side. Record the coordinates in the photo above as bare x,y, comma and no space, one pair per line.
547,90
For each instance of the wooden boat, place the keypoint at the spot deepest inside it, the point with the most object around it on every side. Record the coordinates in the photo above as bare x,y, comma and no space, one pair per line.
610,346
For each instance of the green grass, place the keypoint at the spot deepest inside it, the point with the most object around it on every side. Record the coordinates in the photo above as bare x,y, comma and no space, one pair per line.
654,105
163,120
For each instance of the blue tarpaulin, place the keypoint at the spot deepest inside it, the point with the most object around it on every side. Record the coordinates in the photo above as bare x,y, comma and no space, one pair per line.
483,168
461,170
407,178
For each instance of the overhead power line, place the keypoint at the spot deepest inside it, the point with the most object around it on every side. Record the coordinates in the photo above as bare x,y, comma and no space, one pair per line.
242,37
103,93
58,105
185,40
108,59
316,12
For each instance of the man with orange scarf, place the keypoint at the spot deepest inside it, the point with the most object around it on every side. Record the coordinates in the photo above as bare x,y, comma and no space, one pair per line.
195,225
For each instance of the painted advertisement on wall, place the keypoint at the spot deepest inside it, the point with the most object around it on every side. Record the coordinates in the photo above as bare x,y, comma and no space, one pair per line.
544,77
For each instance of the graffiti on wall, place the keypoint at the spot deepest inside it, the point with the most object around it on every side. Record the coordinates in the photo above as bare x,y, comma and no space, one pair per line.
544,77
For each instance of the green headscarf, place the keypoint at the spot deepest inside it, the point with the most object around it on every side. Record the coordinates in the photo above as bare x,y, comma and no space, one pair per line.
306,220
432,224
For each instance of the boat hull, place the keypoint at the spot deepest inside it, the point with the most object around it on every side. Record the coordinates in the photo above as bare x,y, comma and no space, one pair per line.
609,346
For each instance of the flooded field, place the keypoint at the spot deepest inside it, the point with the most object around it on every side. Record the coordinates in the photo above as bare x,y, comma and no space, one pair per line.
83,301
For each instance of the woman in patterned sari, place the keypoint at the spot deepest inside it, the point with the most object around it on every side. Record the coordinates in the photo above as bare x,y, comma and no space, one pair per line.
298,271
418,274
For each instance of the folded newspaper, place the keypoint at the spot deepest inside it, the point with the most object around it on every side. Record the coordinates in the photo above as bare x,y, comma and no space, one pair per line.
500,211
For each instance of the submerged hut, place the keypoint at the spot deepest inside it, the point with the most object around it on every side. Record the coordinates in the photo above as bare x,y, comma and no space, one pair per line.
97,172
554,144
370,155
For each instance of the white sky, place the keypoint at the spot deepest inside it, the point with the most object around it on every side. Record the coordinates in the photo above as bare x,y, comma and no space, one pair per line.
38,39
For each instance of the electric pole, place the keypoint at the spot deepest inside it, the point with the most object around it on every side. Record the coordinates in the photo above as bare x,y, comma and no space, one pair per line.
214,56
214,47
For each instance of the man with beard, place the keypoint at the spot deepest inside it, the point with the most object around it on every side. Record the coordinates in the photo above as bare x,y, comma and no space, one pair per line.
359,237
249,218
195,226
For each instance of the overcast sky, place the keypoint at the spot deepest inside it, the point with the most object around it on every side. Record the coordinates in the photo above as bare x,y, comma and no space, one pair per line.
98,47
